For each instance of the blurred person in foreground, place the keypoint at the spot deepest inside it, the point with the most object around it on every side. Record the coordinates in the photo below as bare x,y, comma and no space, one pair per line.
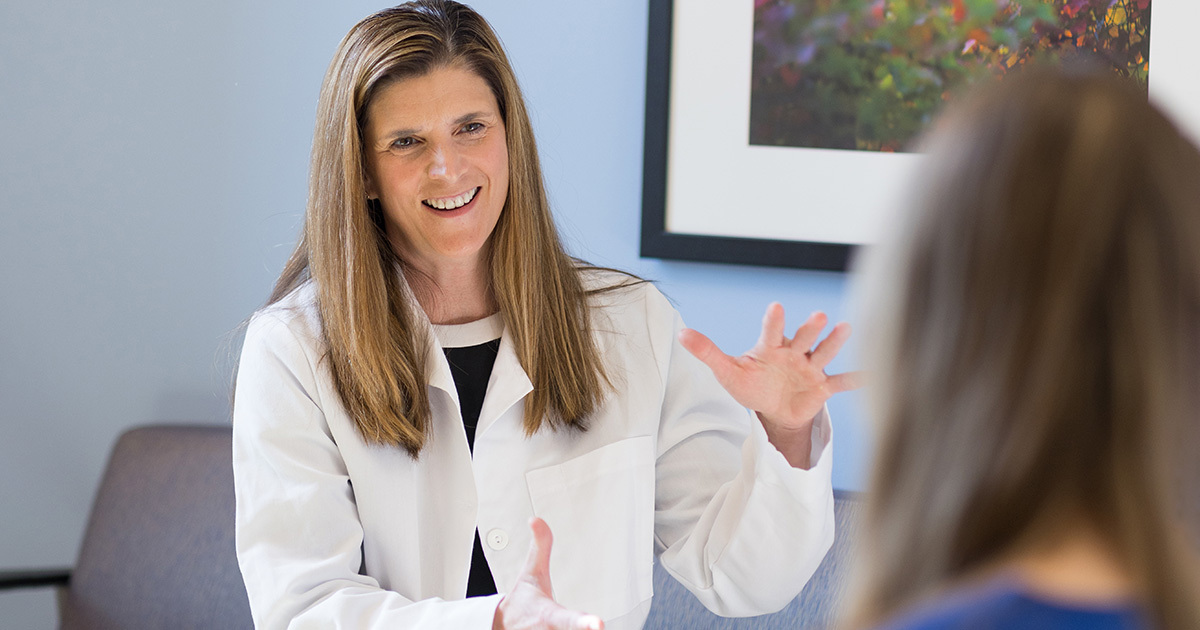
1035,348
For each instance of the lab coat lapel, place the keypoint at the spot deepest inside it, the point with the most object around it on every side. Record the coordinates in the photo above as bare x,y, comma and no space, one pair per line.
437,369
506,387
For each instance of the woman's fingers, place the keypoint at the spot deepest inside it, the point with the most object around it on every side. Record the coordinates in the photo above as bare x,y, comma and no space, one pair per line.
704,349
530,604
562,619
784,381
845,382
829,347
590,622
772,326
809,331
537,563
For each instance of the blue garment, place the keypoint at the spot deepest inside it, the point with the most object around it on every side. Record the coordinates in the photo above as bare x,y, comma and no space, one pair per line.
1004,604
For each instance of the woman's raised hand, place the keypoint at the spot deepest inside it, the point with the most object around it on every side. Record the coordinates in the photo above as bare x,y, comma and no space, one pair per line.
530,604
782,379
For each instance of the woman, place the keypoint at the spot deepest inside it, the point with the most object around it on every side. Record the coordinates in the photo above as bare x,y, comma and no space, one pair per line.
435,384
1036,335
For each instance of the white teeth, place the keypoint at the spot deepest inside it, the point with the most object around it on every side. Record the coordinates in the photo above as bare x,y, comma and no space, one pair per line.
453,203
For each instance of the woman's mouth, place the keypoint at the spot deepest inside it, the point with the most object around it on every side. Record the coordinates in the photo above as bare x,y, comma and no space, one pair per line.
452,203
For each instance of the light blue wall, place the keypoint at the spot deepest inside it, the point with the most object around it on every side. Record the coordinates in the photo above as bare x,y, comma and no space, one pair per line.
153,163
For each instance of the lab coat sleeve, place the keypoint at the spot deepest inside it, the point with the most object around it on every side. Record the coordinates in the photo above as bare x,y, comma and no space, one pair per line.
297,529
735,523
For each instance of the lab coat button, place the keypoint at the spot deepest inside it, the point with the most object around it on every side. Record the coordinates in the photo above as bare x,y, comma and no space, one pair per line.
497,539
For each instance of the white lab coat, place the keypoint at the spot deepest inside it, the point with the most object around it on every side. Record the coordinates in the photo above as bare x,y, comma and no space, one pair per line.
333,532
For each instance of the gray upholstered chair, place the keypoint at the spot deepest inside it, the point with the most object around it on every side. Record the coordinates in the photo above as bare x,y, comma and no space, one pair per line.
158,550
816,607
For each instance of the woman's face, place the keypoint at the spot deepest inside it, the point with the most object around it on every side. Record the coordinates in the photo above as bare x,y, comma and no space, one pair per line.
438,163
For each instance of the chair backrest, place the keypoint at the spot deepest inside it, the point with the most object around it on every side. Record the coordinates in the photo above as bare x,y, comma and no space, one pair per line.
816,606
158,551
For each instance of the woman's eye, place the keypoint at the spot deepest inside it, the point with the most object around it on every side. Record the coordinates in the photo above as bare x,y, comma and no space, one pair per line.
473,127
405,142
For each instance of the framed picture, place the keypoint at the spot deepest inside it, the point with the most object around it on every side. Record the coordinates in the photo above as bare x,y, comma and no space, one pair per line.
776,129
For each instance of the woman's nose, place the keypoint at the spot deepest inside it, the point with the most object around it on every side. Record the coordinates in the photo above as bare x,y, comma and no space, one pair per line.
445,163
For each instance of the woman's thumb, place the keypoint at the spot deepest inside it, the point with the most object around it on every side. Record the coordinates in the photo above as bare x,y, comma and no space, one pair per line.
537,565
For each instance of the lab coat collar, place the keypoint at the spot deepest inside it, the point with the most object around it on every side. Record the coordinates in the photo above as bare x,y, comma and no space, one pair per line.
507,385
437,369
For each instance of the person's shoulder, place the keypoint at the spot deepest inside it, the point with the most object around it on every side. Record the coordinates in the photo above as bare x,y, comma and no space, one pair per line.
628,306
958,611
596,278
292,316
1003,604
612,286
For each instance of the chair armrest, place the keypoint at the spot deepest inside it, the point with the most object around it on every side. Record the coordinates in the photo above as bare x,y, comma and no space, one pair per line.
29,578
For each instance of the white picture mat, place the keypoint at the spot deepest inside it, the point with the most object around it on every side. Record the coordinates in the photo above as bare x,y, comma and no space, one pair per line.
720,185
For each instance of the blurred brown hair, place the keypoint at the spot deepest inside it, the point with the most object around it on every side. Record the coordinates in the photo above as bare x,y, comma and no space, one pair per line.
375,339
1035,343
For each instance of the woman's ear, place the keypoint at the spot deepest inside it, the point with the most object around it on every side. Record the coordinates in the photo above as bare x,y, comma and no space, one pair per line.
369,184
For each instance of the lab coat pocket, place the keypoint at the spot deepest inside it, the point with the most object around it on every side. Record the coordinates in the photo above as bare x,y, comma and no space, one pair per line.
600,508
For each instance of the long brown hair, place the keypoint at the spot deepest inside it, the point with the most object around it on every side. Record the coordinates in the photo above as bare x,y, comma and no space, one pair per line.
1035,343
374,334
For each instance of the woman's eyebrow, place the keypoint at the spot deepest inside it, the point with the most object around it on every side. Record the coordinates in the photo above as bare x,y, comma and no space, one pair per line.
398,133
465,118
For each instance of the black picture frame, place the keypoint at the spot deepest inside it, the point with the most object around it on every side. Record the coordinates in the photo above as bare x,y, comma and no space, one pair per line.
656,240
842,217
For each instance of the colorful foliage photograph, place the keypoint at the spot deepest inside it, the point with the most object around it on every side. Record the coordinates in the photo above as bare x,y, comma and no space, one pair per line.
869,75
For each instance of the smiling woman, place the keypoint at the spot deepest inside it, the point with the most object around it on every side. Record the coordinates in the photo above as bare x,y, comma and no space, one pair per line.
437,164
433,371
352,243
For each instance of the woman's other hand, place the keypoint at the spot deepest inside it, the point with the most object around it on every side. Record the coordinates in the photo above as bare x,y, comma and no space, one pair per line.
781,379
530,604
